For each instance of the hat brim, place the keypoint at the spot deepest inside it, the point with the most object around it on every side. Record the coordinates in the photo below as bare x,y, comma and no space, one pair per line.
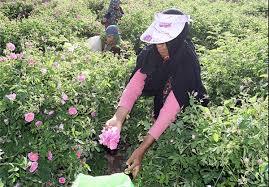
164,28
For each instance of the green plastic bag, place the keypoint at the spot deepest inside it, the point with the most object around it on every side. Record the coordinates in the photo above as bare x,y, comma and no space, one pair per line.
114,180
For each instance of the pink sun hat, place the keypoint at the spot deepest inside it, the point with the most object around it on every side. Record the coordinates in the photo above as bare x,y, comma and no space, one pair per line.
165,28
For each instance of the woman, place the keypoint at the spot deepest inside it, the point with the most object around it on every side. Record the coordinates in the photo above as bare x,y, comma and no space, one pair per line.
114,13
110,42
167,69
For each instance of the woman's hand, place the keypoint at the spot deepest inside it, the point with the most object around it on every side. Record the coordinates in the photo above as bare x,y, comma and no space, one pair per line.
135,161
118,118
113,122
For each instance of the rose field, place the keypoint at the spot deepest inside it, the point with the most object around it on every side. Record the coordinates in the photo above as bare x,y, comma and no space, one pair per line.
56,95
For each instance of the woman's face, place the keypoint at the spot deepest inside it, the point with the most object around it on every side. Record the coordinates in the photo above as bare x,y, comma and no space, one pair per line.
110,39
163,50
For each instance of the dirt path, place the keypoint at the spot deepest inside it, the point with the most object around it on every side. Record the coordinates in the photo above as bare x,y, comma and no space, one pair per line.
116,160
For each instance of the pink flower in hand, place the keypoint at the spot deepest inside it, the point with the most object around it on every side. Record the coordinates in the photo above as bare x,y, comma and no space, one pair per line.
33,167
61,180
29,117
10,46
49,155
72,111
33,156
110,137
38,123
11,97
81,77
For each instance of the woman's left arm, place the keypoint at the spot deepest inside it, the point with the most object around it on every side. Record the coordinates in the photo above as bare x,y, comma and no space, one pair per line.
167,115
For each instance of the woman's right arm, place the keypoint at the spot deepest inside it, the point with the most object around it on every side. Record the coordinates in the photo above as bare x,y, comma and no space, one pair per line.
129,96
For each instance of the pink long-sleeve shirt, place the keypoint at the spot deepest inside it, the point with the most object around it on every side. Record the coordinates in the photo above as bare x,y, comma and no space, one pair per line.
168,112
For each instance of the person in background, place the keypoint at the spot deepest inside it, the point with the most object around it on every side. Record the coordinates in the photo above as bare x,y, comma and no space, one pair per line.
110,42
167,69
114,13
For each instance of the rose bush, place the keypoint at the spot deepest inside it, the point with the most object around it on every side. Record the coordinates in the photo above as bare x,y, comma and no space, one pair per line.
43,138
55,95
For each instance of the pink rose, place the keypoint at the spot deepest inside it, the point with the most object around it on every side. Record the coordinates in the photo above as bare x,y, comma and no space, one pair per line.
12,56
93,114
51,113
61,180
38,123
31,62
78,154
81,78
20,56
49,155
3,59
11,97
63,102
33,156
72,111
110,137
33,167
64,97
29,117
10,46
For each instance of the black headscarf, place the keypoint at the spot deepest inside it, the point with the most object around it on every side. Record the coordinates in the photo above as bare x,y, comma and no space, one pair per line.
182,68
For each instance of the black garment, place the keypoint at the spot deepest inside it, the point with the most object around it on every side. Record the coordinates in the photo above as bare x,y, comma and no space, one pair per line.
183,69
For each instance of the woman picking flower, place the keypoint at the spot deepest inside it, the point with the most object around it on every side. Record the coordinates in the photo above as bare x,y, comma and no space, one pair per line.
167,69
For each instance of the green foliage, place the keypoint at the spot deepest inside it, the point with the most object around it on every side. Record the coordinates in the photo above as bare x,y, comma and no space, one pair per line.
51,25
218,146
40,93
17,9
222,145
236,66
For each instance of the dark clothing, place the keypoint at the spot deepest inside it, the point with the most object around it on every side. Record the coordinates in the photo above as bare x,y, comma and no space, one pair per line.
182,69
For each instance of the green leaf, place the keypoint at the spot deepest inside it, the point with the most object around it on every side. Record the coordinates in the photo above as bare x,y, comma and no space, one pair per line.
1,184
215,137
13,169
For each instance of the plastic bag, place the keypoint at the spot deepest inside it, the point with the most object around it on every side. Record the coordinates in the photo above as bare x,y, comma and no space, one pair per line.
95,43
114,180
